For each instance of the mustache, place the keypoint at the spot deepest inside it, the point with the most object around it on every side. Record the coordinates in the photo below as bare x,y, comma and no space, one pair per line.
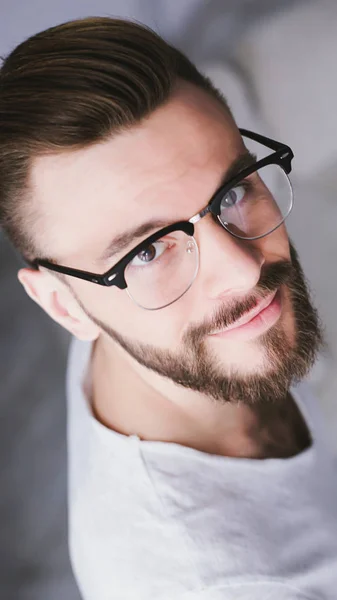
272,277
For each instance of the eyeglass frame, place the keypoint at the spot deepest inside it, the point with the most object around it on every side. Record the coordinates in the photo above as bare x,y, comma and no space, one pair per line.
282,156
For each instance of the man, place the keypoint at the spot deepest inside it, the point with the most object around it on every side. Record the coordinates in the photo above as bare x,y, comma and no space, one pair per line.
197,456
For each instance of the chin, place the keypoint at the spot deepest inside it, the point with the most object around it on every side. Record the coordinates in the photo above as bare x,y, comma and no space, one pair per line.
243,359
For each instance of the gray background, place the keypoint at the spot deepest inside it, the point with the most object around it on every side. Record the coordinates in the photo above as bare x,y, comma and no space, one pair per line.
265,78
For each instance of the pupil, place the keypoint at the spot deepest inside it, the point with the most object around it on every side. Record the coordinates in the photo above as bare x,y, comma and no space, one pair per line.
230,198
148,254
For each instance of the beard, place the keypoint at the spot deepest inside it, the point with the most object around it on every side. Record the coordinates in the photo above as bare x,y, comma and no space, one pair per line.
196,367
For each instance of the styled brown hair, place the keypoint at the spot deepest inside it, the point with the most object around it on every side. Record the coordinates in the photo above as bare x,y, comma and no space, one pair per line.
69,87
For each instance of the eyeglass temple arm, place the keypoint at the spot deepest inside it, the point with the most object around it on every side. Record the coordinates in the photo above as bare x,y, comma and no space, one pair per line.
85,275
272,144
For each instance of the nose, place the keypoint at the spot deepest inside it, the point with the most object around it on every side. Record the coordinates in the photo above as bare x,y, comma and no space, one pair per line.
228,266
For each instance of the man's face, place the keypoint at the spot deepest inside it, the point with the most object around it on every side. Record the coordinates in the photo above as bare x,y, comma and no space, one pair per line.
167,169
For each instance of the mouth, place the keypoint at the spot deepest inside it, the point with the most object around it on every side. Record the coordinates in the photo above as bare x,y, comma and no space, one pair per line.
252,314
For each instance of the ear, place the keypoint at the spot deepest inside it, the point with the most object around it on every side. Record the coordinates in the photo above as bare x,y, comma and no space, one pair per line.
57,301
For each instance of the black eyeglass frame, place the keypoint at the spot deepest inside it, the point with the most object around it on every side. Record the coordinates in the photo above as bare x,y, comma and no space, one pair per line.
281,156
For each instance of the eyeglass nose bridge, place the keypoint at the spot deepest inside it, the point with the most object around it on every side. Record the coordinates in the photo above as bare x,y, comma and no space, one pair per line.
210,209
196,218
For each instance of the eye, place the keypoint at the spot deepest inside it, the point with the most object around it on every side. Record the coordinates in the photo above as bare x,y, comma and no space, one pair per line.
149,254
233,197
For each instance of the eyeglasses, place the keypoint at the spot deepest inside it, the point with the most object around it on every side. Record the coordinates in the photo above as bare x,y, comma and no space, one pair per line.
162,268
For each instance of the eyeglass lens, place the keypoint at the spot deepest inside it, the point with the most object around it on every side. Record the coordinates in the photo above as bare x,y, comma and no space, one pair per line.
257,204
163,272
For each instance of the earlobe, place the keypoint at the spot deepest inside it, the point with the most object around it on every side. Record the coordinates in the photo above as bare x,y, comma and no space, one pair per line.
58,302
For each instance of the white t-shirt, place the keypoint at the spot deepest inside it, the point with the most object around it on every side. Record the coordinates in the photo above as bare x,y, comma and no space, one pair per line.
160,521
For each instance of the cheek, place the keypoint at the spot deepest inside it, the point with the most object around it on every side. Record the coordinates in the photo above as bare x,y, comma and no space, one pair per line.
113,307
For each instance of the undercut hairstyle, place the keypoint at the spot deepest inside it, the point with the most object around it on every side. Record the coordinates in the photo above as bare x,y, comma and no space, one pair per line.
70,87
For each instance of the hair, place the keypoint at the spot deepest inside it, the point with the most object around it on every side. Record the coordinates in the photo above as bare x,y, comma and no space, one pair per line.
72,86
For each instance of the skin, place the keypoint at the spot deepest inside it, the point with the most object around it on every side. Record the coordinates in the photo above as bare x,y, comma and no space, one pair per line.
168,168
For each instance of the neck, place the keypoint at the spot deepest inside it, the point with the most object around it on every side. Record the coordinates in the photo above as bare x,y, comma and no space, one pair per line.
131,400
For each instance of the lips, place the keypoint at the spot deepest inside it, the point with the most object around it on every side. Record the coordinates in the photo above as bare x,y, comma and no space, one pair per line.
251,314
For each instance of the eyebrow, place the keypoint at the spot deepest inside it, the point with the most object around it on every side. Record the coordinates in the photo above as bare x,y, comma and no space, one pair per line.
123,240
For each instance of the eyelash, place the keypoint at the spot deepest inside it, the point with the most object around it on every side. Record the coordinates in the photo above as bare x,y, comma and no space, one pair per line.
154,262
246,183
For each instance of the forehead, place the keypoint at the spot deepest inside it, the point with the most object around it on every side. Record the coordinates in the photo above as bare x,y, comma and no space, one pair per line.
166,168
